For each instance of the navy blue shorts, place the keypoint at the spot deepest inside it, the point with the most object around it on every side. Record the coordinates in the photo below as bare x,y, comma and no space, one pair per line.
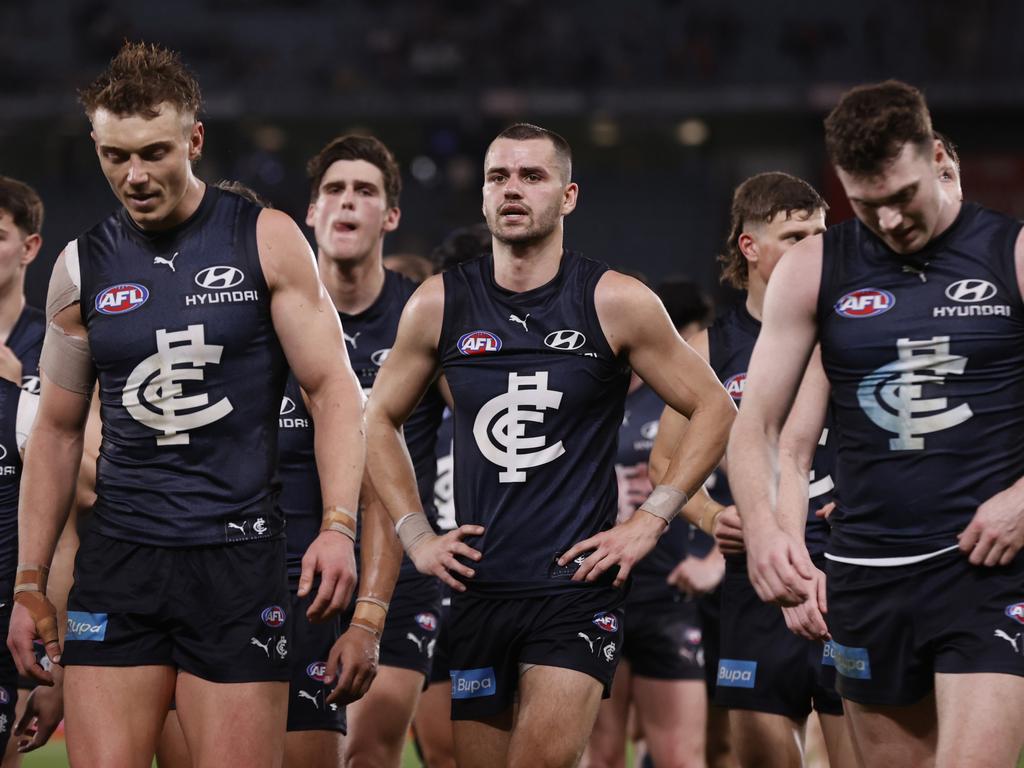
413,623
579,629
218,612
893,628
308,709
709,613
764,667
663,640
8,679
441,662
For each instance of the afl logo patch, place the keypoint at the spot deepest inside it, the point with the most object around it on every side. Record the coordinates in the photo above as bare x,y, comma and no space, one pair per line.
606,621
273,616
317,671
1016,612
219,278
734,385
427,621
479,343
119,299
865,302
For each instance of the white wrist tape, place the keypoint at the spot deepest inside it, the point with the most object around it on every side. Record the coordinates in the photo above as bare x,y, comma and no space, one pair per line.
413,529
665,502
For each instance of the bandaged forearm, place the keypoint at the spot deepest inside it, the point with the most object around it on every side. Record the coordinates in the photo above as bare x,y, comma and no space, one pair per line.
665,502
340,519
712,510
413,530
370,615
30,592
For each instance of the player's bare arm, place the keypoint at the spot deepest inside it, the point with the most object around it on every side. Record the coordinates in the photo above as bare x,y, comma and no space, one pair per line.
310,334
780,569
638,328
996,533
409,370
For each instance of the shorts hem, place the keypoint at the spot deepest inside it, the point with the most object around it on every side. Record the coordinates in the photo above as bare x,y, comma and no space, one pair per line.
313,728
684,677
398,664
883,700
606,686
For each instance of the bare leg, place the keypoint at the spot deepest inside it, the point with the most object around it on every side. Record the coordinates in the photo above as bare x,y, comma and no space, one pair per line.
891,736
314,749
433,726
12,757
172,751
672,714
979,720
838,741
606,747
378,722
718,751
764,740
483,743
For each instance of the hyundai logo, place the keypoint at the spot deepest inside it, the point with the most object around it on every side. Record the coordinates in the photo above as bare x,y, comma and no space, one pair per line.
219,278
566,340
378,357
3,453
287,406
971,290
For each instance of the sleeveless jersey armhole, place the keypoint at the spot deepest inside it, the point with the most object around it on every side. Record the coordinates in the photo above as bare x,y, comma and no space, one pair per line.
246,218
589,300
1009,255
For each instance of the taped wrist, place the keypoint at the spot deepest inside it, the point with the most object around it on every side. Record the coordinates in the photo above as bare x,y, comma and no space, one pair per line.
30,592
665,502
712,511
339,519
413,530
370,614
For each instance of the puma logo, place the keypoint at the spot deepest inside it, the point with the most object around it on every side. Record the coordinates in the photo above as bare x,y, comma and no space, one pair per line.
240,528
522,322
351,339
417,640
590,642
169,262
265,646
313,698
1011,640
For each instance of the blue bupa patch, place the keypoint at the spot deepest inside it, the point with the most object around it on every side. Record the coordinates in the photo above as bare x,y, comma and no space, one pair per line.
735,673
473,683
86,626
850,662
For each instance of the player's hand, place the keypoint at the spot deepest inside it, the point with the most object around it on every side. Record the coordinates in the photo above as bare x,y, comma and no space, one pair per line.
437,556
825,512
353,663
779,567
44,709
996,533
10,365
624,545
808,619
728,531
331,555
21,636
697,576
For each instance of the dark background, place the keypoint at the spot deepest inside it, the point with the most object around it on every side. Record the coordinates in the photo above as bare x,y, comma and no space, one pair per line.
668,104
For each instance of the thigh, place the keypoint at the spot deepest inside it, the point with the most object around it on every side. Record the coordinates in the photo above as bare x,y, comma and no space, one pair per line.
171,750
894,735
838,742
308,709
379,722
763,739
606,747
979,719
314,749
484,741
232,723
114,715
556,713
433,725
673,715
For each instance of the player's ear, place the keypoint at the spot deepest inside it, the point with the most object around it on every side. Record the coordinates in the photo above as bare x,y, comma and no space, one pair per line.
309,214
32,245
391,219
196,137
748,246
570,196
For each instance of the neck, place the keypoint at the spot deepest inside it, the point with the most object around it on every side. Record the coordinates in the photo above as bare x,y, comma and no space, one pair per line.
755,297
189,204
12,302
950,210
355,284
524,266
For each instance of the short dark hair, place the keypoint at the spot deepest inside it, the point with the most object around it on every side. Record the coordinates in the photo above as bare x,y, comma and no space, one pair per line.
950,147
139,79
871,123
685,302
529,131
23,204
351,147
244,191
461,245
760,199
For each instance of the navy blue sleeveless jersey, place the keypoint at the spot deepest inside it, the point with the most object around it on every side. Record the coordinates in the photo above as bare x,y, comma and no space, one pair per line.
300,498
191,375
926,362
730,342
636,438
538,404
444,485
25,341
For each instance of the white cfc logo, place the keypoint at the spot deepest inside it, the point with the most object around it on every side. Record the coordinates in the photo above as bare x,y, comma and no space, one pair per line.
820,486
891,396
153,395
500,427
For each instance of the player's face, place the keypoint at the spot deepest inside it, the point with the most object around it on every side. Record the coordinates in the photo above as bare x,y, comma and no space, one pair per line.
17,249
148,162
525,194
903,203
769,242
351,213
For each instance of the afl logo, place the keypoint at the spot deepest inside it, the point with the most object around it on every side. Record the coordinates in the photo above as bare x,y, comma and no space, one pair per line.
567,340
1016,612
606,621
219,278
865,302
118,299
734,385
972,290
479,343
378,357
287,406
317,671
273,616
427,621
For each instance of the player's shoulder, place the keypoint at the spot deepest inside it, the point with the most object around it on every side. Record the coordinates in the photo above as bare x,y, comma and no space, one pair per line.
616,291
427,301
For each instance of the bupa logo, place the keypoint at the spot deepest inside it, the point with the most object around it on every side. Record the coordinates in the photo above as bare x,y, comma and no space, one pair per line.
565,340
737,673
86,626
287,406
427,621
479,343
317,671
971,290
865,302
119,299
473,683
378,357
734,385
273,616
606,621
219,278
849,662
1016,612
